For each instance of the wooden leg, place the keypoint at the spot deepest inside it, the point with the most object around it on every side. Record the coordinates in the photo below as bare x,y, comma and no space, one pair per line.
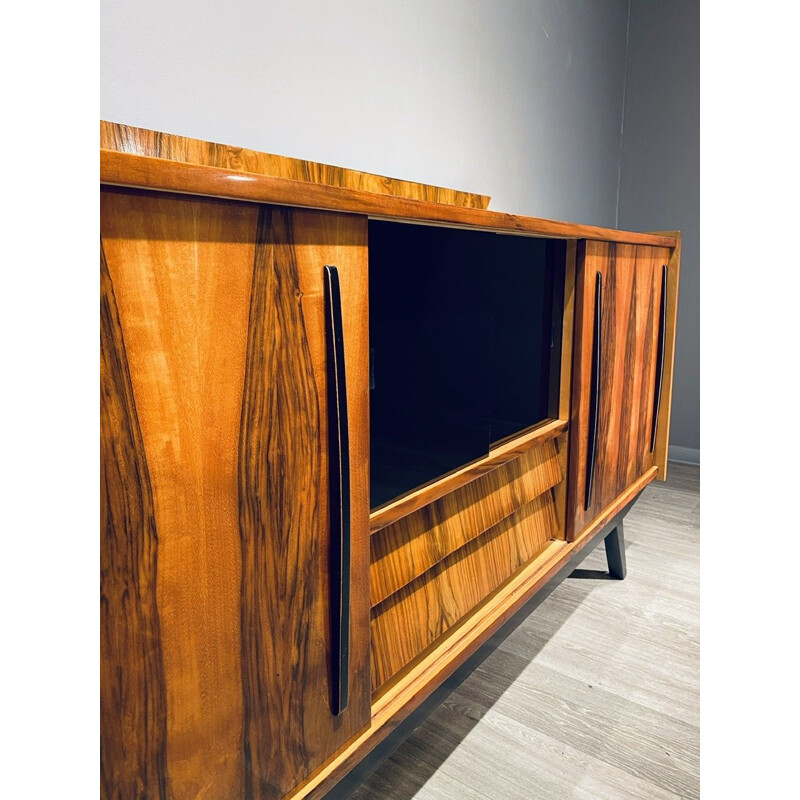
615,553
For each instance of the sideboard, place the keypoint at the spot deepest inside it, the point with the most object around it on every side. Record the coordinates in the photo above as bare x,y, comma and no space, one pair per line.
350,426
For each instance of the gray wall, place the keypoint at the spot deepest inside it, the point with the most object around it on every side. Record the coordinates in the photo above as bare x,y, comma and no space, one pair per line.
660,175
519,100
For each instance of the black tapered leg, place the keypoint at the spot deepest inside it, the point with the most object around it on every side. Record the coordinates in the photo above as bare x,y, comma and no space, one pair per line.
615,553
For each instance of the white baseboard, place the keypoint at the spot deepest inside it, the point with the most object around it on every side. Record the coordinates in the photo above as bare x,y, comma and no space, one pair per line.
684,455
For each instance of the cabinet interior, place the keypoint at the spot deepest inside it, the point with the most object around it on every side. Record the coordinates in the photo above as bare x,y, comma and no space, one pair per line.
465,347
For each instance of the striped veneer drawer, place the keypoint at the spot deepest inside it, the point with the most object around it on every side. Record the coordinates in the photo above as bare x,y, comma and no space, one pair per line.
405,549
433,567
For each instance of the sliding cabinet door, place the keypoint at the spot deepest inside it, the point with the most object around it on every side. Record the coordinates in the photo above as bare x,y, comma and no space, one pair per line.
617,374
234,644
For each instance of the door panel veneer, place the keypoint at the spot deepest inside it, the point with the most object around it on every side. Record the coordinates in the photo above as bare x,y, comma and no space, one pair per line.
181,271
405,549
289,728
410,620
631,294
221,313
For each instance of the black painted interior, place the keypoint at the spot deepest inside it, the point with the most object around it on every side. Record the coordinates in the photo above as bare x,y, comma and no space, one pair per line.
463,346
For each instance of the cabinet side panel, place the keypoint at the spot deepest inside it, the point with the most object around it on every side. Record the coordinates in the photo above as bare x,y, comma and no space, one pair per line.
133,735
665,412
181,269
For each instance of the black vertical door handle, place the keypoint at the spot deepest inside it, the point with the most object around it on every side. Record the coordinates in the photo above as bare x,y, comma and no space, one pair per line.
662,346
339,493
594,396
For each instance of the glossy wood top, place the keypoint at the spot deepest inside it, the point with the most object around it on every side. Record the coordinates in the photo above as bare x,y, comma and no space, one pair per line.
144,142
160,174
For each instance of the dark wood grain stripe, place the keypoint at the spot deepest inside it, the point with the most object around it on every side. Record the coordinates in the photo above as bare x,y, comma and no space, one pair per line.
133,715
630,371
279,499
629,339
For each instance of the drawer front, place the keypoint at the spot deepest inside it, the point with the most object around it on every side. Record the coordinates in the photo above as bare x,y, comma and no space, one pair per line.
448,557
409,547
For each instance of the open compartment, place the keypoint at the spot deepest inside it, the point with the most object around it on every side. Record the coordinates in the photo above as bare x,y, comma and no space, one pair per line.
465,347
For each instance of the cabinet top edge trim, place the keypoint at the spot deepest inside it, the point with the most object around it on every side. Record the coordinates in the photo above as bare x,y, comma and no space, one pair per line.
144,142
158,174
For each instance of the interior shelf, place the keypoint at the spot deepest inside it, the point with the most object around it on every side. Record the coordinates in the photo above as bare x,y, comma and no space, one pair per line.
511,448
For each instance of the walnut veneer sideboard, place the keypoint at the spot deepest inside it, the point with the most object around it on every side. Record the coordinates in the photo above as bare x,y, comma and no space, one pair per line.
350,426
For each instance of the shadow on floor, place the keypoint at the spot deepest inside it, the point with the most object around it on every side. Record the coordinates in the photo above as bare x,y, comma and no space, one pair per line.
383,776
591,574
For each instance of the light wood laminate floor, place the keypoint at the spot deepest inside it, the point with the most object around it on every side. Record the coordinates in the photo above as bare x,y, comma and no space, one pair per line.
595,695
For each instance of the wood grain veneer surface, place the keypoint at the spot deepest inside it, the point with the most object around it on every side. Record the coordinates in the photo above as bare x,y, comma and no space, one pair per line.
133,738
283,513
214,595
665,411
140,141
181,271
411,619
156,174
405,549
630,310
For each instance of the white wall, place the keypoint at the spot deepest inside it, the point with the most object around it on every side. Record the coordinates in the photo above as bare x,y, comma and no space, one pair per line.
660,175
519,100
